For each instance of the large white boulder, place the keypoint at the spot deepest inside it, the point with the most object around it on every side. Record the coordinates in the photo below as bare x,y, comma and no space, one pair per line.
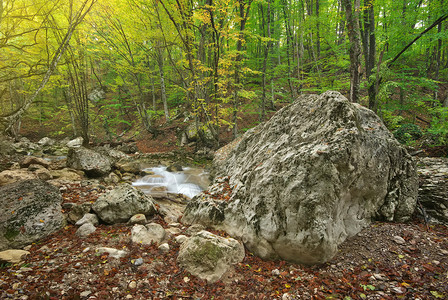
298,185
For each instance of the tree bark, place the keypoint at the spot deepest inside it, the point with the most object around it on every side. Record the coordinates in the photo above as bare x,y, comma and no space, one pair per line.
352,17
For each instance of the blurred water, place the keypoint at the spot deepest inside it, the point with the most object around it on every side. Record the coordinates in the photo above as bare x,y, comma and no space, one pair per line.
189,182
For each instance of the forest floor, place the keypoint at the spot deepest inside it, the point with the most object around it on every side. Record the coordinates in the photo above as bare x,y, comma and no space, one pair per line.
384,261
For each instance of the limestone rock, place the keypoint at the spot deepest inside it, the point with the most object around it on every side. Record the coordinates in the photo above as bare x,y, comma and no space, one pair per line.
121,203
115,253
32,160
85,230
138,219
78,211
67,174
88,218
209,256
124,166
13,256
91,162
75,143
298,185
31,210
46,141
146,235
433,189
11,176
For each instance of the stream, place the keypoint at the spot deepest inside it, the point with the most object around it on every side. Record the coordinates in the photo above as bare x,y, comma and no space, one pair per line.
159,181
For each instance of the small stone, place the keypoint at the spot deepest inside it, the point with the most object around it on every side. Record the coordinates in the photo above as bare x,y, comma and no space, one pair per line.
399,289
436,262
287,296
186,279
88,218
138,219
175,225
275,272
128,296
85,294
112,252
164,247
86,250
132,285
399,240
85,230
181,238
444,252
138,262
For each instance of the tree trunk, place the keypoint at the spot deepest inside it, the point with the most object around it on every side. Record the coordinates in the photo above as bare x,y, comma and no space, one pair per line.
352,17
266,54
162,83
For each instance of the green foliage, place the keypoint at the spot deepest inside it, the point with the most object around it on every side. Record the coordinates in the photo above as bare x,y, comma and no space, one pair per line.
439,125
407,133
391,121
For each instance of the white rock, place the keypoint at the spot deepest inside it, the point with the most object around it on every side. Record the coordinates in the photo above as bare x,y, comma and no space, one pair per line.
115,253
13,255
181,238
88,218
209,256
164,247
85,230
151,233
399,240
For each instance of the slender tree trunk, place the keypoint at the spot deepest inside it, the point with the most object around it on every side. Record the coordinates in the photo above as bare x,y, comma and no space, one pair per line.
317,30
162,83
266,55
352,16
244,9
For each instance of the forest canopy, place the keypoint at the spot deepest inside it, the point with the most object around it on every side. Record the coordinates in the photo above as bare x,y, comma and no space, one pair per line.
101,68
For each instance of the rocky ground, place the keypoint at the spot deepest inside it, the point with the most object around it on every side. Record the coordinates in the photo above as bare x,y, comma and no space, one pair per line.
384,261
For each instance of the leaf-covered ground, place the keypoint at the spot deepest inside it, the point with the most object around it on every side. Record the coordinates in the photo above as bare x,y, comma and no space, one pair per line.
384,261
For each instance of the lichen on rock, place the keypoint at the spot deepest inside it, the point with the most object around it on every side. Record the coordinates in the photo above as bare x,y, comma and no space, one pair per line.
317,172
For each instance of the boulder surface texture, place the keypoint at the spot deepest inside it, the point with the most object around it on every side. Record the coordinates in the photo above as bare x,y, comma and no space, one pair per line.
297,186
121,203
31,210
209,256
93,163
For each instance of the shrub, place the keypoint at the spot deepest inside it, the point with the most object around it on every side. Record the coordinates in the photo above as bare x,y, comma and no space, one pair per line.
408,132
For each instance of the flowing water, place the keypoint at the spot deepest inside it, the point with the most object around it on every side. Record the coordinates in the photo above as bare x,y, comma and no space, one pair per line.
159,182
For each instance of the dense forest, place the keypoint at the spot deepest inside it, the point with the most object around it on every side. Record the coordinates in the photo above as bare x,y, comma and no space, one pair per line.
96,68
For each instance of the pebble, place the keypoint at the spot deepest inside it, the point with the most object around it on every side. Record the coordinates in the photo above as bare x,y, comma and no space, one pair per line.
132,285
181,238
444,252
399,290
164,247
138,262
85,294
275,272
86,250
399,240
